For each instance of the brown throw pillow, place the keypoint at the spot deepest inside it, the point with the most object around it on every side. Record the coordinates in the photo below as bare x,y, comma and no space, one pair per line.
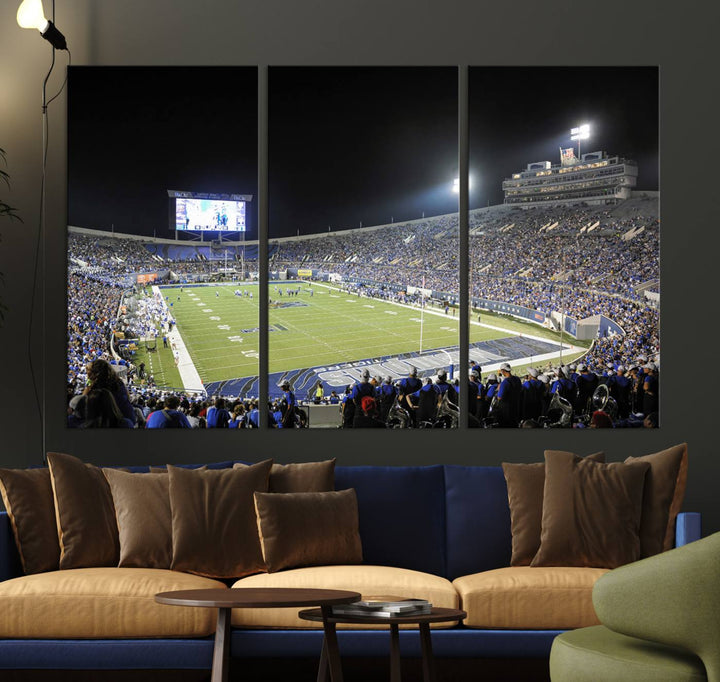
214,532
308,529
142,508
526,483
301,477
28,498
591,512
84,512
662,499
163,469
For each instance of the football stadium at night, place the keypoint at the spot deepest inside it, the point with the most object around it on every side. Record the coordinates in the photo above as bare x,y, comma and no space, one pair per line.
363,291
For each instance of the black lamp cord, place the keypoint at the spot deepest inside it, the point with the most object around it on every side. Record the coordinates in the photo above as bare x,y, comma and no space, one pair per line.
40,402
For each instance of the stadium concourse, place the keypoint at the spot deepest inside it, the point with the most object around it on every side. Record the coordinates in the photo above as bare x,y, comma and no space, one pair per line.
578,261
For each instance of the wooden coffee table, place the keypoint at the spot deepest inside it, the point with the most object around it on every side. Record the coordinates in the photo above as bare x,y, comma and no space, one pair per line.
259,598
330,650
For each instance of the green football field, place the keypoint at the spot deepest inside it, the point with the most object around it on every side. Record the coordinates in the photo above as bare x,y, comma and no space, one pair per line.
327,326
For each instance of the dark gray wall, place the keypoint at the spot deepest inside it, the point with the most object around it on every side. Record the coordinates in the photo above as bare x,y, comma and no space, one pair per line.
369,32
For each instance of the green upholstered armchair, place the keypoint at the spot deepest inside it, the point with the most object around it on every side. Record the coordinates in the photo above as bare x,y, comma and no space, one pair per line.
660,622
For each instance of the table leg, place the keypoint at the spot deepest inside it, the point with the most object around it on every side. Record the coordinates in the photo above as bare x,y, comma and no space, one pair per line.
331,644
395,668
427,654
221,652
323,668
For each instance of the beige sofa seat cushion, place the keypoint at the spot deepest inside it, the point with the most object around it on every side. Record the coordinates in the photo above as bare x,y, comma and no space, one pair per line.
522,597
98,603
370,581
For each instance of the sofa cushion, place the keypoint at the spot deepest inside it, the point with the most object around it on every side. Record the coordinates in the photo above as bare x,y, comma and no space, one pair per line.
478,520
308,529
142,508
28,499
99,603
662,498
591,512
528,598
370,581
85,514
598,653
214,530
526,486
159,468
402,514
300,477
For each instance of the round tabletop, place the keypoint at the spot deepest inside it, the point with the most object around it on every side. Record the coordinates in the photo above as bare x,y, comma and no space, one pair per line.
256,597
437,615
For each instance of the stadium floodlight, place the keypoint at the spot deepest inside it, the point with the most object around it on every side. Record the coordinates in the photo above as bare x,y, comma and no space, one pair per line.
30,14
582,132
456,185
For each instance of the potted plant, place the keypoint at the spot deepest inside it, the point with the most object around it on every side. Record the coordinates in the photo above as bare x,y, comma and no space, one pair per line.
10,212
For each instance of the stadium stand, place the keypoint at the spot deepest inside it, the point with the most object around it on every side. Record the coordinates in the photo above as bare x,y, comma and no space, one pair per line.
581,261
596,178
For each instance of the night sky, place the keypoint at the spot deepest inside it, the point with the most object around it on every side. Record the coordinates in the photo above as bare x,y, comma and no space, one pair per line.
347,144
520,115
351,145
136,132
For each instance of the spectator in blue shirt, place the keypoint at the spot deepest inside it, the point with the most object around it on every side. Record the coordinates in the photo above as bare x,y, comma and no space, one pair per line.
169,417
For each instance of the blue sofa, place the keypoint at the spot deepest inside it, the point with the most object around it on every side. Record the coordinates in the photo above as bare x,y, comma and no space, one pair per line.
448,521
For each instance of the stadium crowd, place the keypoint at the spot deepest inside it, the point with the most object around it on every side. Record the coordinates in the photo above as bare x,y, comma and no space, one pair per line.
569,396
92,316
117,260
580,261
109,401
515,259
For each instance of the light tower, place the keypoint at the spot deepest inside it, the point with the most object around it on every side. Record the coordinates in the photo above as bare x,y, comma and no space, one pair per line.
582,132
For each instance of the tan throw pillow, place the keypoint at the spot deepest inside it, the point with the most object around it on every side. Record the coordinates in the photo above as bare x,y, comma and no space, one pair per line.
28,498
142,508
301,477
591,512
663,498
84,512
308,529
214,532
525,484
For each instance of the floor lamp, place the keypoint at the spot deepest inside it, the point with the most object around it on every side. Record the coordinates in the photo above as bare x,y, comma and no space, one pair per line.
30,14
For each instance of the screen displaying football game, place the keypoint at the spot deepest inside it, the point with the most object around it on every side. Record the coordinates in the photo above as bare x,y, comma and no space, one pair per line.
200,215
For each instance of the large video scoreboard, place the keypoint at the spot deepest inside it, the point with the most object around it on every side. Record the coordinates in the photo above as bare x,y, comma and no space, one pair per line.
210,212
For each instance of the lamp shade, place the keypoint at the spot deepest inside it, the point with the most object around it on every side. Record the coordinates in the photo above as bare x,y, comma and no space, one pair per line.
30,14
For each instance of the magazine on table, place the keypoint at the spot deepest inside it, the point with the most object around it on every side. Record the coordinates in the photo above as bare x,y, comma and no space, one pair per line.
383,607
